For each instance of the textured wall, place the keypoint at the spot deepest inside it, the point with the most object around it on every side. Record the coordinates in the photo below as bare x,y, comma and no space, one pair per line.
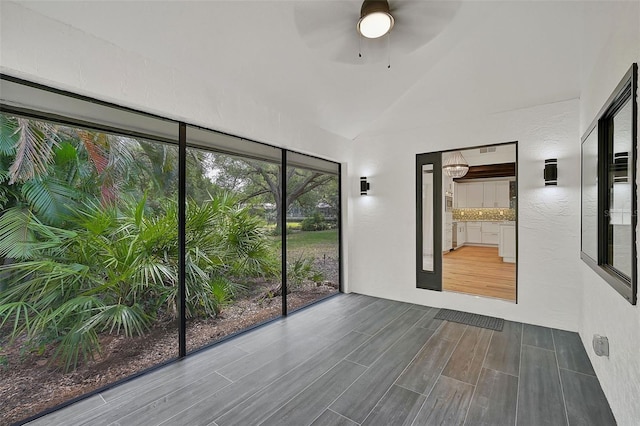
604,311
40,49
382,224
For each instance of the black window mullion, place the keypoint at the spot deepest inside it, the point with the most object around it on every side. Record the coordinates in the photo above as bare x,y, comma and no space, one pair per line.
182,239
283,228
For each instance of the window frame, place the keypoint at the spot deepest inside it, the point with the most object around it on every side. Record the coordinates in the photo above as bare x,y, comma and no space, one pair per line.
626,91
38,101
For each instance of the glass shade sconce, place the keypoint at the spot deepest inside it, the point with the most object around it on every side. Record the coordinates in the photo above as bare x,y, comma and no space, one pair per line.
364,185
551,171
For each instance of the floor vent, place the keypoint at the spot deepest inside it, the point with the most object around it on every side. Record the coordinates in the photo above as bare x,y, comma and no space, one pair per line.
475,320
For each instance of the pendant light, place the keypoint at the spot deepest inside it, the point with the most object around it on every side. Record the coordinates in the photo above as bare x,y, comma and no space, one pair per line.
455,165
375,19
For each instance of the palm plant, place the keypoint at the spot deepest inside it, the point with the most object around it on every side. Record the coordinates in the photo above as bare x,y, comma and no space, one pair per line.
116,271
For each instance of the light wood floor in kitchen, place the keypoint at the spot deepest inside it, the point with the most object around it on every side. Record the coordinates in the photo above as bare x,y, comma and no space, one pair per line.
479,271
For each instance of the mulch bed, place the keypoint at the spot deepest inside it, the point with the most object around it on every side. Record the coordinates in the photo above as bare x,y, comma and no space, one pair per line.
29,385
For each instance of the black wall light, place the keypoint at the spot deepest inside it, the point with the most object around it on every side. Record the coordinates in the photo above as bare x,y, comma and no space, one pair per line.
620,167
551,171
364,185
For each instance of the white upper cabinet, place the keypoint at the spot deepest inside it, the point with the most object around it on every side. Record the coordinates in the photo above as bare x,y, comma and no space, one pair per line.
489,194
482,194
502,194
475,194
460,196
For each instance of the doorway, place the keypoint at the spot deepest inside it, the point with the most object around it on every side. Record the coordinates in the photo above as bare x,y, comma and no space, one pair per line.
477,228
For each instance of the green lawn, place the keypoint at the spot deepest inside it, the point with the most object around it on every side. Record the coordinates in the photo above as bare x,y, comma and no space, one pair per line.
312,243
301,240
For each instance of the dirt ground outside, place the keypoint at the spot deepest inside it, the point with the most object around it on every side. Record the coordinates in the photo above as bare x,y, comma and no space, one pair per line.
29,385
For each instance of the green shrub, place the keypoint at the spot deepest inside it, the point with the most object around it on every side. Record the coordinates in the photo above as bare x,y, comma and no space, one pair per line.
315,222
114,269
301,270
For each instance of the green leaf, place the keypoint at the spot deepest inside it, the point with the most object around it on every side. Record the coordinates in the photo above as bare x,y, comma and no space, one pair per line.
8,135
65,153
131,319
20,312
50,198
139,212
34,149
75,345
19,231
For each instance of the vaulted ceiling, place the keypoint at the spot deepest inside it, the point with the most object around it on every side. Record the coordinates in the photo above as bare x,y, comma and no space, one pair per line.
448,59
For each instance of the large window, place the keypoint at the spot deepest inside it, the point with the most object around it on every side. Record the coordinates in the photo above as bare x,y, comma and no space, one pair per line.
89,255
128,241
609,196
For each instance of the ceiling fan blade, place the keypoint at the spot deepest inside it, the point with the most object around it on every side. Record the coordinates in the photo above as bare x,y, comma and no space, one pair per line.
318,20
419,22
329,28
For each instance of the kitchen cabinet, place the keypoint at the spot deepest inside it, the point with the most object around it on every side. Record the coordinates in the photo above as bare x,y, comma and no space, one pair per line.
490,231
461,233
460,195
489,194
502,194
474,233
507,243
482,194
447,233
475,194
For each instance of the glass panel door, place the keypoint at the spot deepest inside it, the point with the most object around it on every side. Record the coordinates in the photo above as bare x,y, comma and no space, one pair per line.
429,221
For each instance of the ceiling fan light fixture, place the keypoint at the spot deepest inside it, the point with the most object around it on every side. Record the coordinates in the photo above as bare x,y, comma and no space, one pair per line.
375,19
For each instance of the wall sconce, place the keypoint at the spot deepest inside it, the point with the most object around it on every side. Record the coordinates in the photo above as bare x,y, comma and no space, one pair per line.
620,167
551,171
364,185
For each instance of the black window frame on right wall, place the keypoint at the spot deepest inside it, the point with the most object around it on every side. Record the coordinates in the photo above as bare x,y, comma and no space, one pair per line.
609,193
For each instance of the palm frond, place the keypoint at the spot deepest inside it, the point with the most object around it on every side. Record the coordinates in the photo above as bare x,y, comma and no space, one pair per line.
8,135
34,151
22,314
19,231
75,345
131,319
49,198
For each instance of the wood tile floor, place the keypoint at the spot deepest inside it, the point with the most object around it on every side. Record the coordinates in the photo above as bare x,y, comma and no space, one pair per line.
355,359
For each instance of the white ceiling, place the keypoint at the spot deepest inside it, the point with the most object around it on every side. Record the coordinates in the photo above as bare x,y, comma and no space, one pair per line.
449,60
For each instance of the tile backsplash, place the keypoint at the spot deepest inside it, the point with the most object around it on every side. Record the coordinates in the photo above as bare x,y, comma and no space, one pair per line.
477,214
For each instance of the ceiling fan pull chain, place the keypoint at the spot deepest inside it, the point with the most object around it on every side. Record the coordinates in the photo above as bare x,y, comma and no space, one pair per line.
360,46
389,50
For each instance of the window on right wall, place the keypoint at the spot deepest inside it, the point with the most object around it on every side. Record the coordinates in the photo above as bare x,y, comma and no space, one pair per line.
609,189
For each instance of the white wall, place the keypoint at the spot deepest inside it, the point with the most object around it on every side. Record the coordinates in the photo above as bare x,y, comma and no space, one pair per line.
37,48
382,224
604,311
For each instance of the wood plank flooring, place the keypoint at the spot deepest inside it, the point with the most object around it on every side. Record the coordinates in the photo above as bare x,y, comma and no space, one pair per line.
356,360
479,271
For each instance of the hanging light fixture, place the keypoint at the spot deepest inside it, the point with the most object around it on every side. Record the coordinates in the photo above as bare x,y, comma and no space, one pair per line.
455,165
375,19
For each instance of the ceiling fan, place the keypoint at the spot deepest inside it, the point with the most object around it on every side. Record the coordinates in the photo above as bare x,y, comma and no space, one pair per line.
375,29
